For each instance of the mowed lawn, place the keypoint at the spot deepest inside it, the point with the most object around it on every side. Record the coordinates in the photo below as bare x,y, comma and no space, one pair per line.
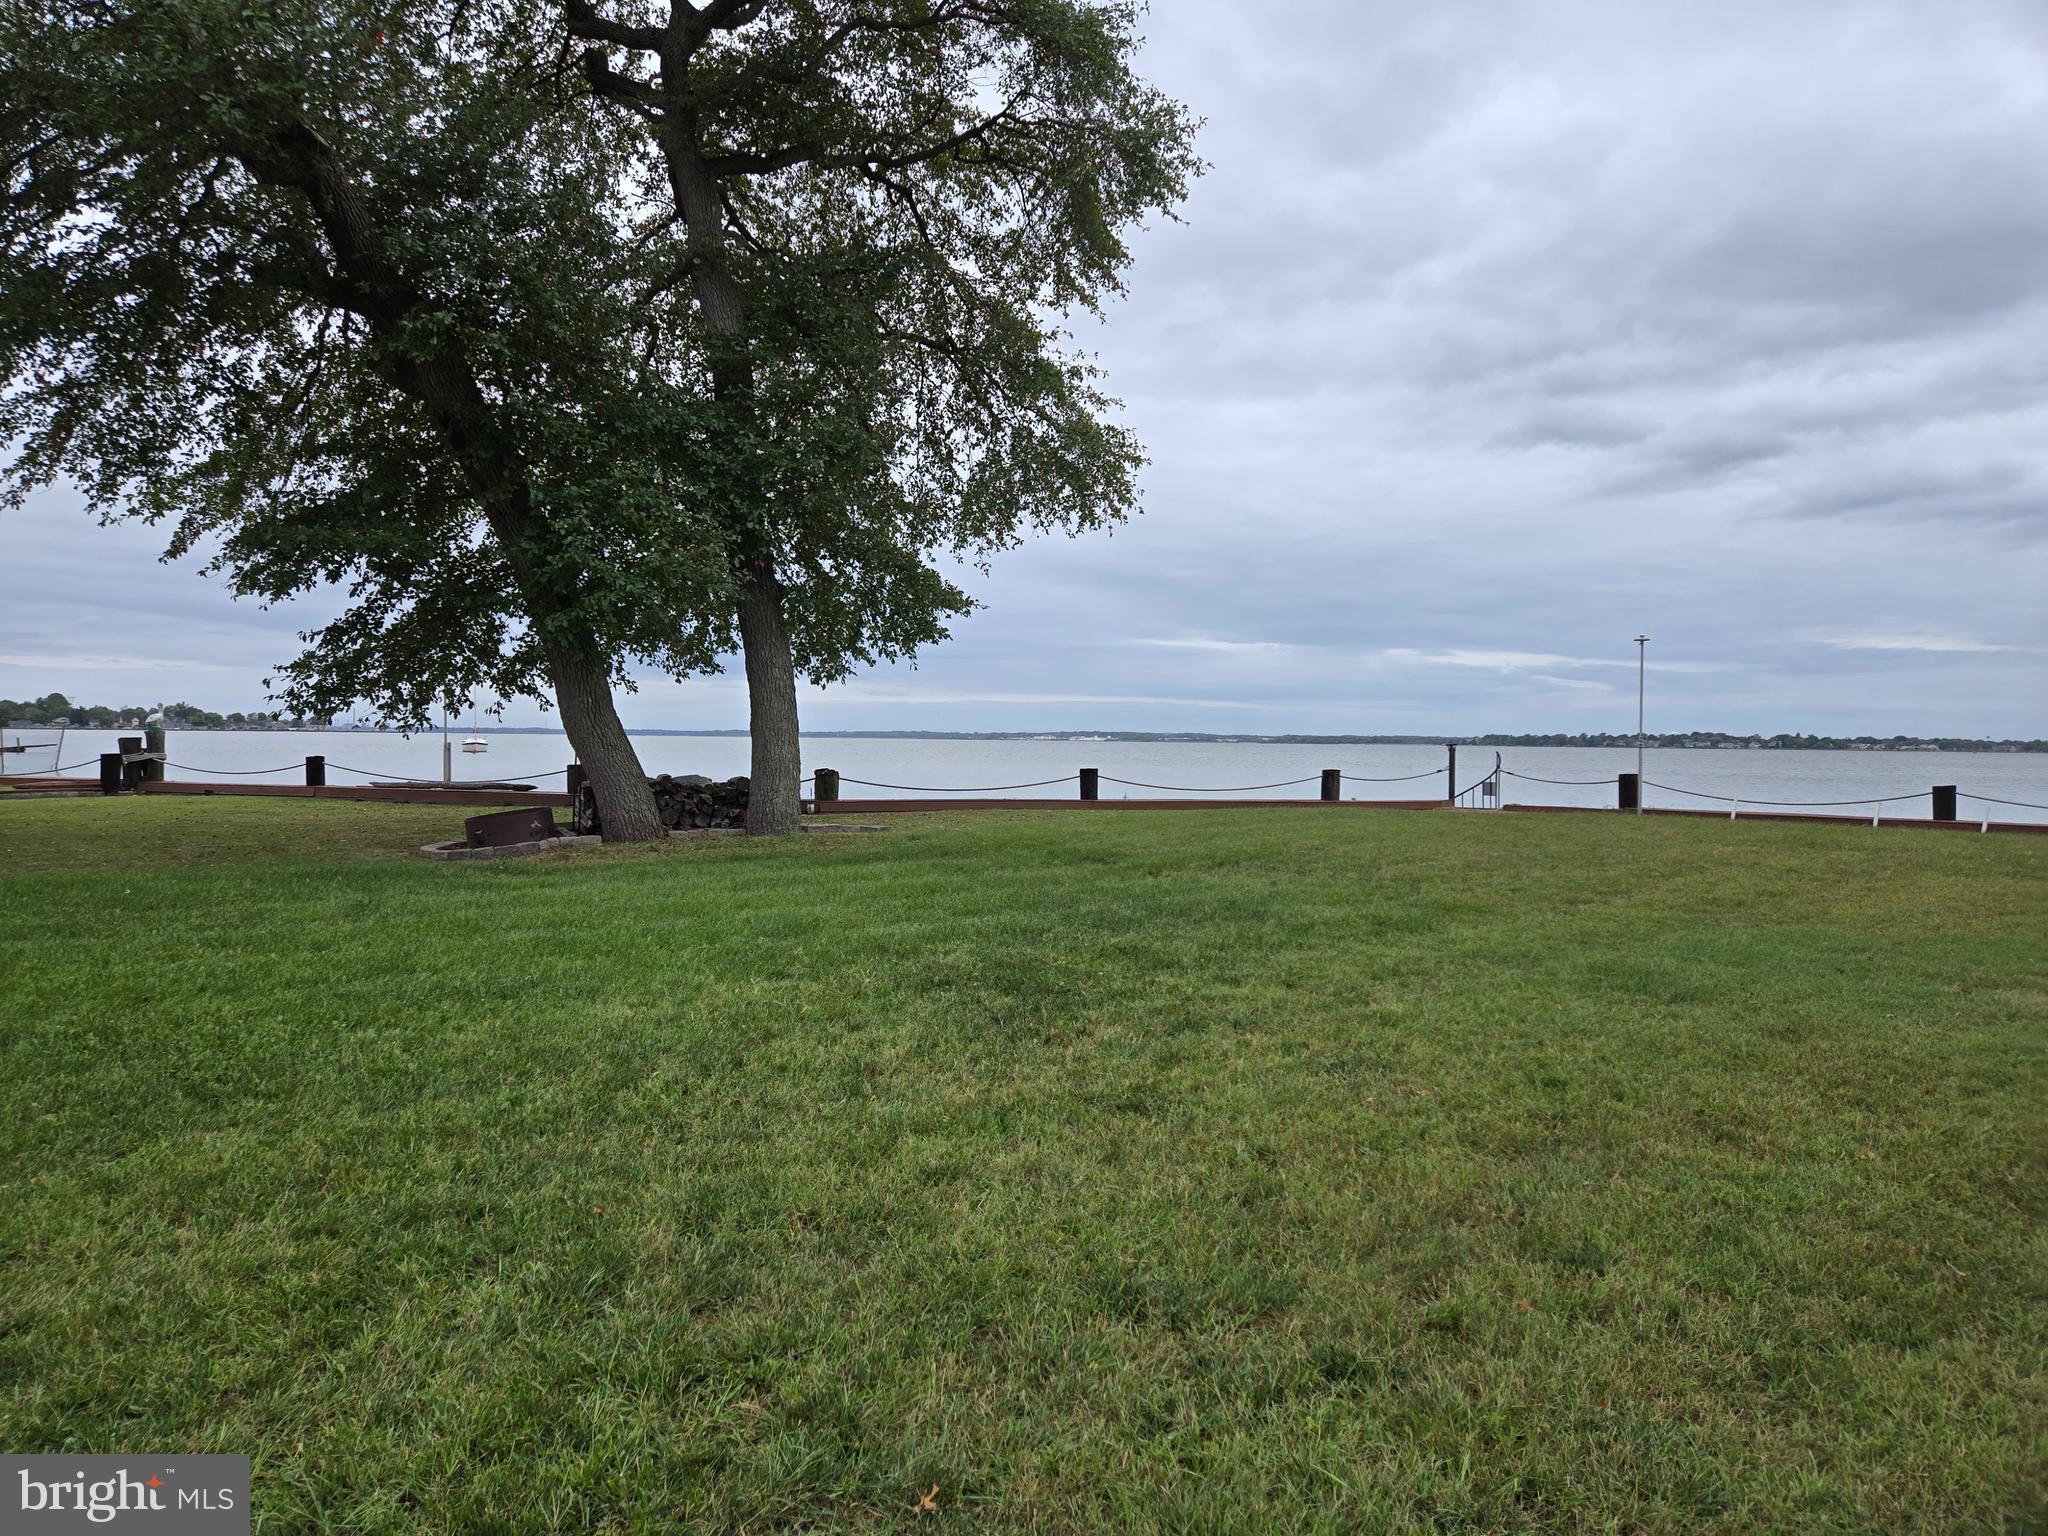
1252,1171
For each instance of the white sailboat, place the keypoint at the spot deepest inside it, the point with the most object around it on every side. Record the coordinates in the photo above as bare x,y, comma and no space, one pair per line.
473,743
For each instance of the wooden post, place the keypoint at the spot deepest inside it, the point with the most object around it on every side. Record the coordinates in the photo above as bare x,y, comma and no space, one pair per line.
826,788
1451,774
1944,802
316,771
153,741
110,773
131,773
1333,784
1628,791
1089,783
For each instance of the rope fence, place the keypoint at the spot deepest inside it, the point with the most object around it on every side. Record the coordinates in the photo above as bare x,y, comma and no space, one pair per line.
1228,789
956,789
385,773
221,773
1534,778
1701,794
1399,778
1628,786
545,773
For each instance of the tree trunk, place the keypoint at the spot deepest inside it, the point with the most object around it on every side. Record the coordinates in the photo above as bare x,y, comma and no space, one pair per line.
625,803
372,286
774,805
775,795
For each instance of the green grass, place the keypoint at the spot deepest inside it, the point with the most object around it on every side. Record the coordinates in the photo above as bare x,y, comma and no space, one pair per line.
1259,1171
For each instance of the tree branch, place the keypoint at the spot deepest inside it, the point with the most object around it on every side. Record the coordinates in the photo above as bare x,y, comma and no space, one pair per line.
866,160
589,24
637,95
726,15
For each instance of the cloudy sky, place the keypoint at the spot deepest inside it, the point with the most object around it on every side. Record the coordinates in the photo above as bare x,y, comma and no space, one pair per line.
1496,333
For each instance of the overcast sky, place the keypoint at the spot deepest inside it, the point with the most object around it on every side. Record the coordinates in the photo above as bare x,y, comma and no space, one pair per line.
1496,334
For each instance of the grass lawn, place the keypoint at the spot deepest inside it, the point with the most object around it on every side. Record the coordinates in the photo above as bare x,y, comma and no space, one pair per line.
1256,1171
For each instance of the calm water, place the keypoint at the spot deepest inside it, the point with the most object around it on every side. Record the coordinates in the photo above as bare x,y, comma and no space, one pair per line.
1189,767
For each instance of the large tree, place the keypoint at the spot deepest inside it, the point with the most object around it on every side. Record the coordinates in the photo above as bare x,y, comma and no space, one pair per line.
878,214
350,289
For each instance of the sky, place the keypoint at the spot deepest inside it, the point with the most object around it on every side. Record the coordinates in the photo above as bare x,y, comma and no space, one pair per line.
1495,335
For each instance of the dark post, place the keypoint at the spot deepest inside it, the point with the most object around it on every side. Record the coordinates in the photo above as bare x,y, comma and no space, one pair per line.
573,780
1944,802
1451,772
131,773
826,790
1089,783
153,741
316,771
110,773
1628,791
1333,784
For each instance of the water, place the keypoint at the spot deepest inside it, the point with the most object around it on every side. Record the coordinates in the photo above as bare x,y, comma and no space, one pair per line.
1191,768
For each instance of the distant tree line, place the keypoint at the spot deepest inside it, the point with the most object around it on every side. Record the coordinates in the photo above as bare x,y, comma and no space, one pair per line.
56,709
1783,740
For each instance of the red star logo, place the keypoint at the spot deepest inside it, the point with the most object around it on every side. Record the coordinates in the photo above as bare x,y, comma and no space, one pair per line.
155,1481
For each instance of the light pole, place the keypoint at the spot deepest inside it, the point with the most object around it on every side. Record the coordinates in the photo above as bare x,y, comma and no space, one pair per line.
1642,642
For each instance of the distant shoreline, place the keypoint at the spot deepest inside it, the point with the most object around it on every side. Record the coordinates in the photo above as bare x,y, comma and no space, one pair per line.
1693,740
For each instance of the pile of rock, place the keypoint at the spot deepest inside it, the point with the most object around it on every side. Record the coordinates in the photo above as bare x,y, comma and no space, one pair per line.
686,802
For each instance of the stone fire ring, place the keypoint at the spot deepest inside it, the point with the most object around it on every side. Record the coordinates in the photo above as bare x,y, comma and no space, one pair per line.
459,852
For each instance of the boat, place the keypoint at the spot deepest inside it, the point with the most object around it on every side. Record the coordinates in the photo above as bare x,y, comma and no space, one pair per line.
473,743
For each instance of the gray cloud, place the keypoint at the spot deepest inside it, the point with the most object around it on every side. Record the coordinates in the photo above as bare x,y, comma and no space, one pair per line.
1491,334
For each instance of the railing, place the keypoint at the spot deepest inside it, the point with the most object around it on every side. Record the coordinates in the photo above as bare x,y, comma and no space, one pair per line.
1482,793
138,767
1487,792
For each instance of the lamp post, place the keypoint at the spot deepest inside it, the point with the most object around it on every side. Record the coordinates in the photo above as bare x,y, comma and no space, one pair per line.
1642,642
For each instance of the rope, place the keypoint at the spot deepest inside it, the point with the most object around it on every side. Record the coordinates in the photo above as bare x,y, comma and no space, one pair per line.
1534,778
548,775
90,762
506,781
221,773
1232,789
1403,778
955,789
1700,794
382,773
1993,800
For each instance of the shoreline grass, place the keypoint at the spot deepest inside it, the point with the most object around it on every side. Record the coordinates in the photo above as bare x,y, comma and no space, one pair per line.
1228,1171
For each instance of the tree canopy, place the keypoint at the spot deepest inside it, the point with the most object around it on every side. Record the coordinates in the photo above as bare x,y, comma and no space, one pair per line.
571,340
884,209
349,290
